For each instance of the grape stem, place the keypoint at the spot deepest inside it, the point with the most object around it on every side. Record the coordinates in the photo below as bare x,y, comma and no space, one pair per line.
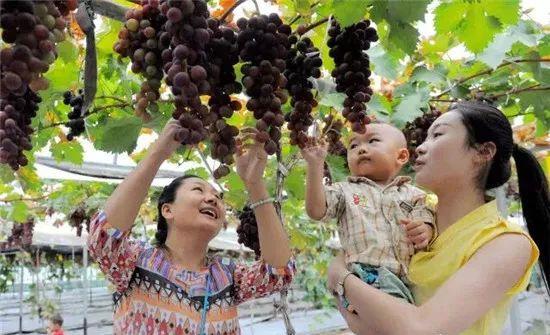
506,63
256,6
231,9
203,157
299,16
315,25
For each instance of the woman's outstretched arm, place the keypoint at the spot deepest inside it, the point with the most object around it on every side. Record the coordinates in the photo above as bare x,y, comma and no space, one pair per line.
463,299
122,207
251,161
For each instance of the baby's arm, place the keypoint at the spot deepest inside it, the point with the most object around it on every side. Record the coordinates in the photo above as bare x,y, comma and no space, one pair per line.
419,233
316,202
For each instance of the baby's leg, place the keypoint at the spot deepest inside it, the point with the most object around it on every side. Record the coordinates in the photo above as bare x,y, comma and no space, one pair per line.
393,285
384,280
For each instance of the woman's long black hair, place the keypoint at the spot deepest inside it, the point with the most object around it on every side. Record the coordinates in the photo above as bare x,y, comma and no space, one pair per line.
167,196
486,123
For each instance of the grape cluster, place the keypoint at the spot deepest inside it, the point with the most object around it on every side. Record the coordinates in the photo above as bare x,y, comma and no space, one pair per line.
32,28
16,113
223,54
351,70
416,131
222,135
142,39
20,237
263,43
333,134
76,123
77,218
248,230
303,62
186,67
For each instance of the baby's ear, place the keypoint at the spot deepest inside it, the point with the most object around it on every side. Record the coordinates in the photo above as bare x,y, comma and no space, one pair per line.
403,156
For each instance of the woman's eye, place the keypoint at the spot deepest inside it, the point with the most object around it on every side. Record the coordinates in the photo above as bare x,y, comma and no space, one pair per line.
353,146
197,188
437,134
374,140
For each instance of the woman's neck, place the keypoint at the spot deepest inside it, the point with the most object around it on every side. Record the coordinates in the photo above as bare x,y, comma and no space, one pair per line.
455,204
186,250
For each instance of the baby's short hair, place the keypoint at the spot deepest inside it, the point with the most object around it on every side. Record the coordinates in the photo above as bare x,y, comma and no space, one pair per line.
351,135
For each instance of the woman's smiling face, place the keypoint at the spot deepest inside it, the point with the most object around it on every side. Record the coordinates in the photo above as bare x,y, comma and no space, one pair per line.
197,207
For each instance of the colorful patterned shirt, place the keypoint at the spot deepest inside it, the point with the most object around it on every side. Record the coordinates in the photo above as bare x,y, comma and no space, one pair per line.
368,224
155,296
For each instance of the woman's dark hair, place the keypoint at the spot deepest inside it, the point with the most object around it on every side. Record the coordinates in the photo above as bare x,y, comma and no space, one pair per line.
486,123
167,196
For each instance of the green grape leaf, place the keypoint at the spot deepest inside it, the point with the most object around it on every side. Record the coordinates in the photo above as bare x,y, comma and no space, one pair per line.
117,135
410,107
67,151
19,211
337,168
350,11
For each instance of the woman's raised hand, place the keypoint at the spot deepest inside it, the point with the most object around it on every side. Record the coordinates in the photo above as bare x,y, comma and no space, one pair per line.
251,157
167,142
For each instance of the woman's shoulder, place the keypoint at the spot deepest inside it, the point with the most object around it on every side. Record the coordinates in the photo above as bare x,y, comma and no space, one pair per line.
512,250
496,227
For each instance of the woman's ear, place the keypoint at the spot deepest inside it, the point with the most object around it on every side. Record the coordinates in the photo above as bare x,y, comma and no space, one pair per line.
166,211
486,152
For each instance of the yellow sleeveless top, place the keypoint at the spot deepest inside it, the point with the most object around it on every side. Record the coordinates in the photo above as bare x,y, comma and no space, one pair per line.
453,248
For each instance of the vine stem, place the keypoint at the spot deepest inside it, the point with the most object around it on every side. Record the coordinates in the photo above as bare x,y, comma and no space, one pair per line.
520,114
231,9
535,87
94,111
443,100
519,90
282,306
42,197
110,97
506,63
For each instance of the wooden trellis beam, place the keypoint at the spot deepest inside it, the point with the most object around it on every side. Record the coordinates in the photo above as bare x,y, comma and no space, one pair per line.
109,9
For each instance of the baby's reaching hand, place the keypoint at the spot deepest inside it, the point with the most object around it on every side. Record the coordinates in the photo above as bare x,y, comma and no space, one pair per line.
419,233
315,151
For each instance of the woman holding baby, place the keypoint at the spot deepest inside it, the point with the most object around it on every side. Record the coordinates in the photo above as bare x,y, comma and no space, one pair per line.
464,281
